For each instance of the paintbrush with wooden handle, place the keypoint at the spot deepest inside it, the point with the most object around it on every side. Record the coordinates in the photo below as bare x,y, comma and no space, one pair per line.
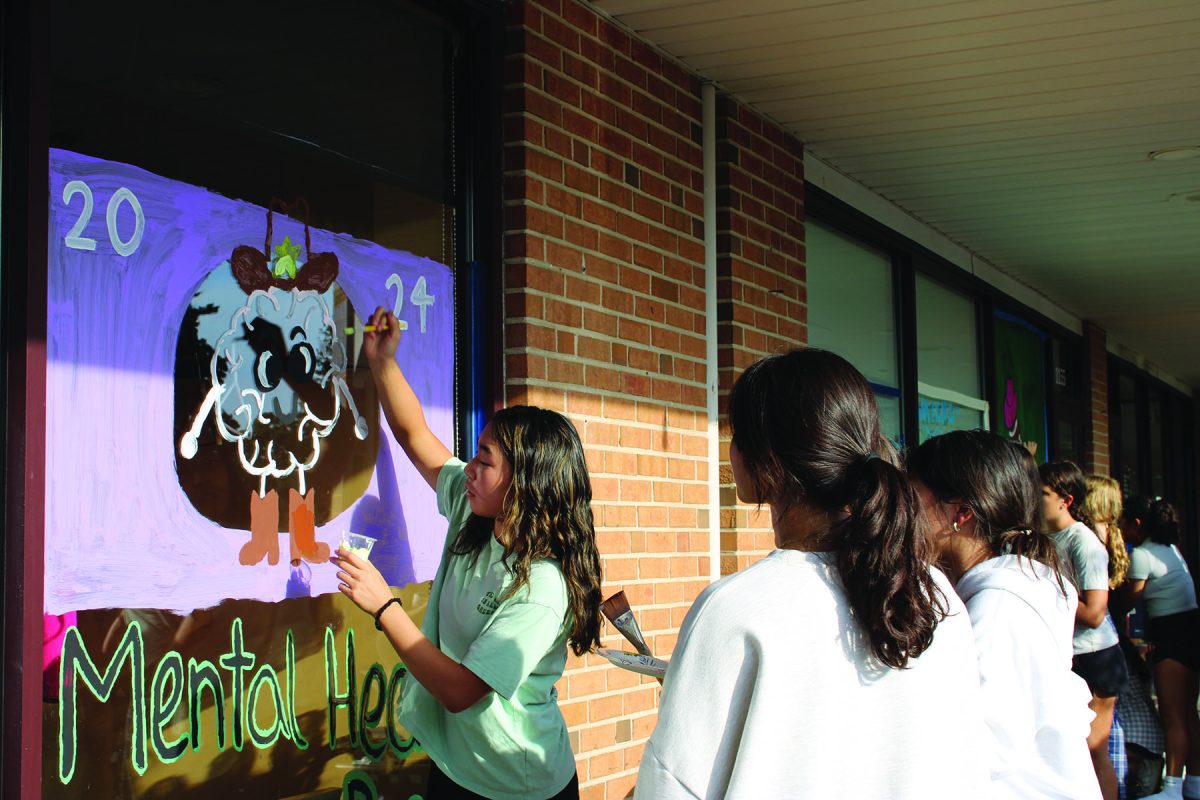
616,609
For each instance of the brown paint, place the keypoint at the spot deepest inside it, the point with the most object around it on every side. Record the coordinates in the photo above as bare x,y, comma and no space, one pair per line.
264,530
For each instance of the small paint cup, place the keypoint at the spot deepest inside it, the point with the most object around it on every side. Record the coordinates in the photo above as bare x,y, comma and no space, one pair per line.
357,543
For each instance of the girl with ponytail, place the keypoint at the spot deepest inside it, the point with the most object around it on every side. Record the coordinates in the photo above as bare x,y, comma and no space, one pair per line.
816,672
980,495
1098,658
1159,575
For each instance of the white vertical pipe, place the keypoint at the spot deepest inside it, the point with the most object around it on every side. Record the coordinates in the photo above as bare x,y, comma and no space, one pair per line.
708,97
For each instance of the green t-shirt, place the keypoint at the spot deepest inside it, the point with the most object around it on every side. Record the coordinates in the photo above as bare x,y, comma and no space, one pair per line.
513,743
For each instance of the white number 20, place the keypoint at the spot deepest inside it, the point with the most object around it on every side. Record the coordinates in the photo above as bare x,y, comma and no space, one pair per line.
125,247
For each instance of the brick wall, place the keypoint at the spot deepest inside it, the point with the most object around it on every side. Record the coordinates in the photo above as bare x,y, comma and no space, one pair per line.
761,301
604,299
1097,455
604,319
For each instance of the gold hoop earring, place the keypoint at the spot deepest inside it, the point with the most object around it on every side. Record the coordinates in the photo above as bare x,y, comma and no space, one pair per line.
955,526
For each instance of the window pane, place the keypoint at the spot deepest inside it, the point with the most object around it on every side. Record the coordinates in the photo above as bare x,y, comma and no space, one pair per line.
947,361
889,418
1158,483
1130,474
850,307
947,354
1020,393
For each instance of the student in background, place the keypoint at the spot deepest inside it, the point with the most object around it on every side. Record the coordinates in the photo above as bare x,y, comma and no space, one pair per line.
1103,506
842,664
519,580
980,495
1098,658
1144,740
1158,574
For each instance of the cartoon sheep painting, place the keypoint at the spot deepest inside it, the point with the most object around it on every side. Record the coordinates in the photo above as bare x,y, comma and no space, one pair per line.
266,402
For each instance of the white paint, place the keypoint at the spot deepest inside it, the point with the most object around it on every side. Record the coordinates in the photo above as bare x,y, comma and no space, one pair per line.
269,305
125,247
73,239
708,96
395,282
422,299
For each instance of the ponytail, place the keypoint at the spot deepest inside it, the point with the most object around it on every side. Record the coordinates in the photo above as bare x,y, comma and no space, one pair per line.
807,429
1105,507
884,565
1067,480
998,480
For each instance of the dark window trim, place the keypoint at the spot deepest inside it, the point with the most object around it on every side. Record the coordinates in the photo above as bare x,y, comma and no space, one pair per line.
24,95
908,259
1179,447
823,207
24,34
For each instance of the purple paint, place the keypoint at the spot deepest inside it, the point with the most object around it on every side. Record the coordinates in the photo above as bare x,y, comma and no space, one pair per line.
120,531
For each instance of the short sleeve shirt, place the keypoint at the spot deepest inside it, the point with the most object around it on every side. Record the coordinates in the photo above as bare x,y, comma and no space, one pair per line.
1169,587
1085,563
513,742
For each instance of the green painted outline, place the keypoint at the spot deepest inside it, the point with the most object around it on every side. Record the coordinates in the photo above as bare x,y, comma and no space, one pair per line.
252,708
162,748
358,776
374,752
333,700
210,676
237,653
290,660
401,748
131,646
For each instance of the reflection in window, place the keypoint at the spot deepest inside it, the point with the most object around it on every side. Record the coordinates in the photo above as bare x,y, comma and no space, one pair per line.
949,390
851,311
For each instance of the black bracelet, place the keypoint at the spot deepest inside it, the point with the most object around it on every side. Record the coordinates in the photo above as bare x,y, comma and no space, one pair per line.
382,608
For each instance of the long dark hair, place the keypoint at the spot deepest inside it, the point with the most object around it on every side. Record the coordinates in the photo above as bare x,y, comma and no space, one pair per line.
995,478
1067,480
547,513
806,425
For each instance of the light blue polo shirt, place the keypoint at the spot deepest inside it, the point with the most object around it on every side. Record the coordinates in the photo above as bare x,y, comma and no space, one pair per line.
512,744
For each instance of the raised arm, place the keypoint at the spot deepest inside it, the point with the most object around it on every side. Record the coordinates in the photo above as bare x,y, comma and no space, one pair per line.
401,407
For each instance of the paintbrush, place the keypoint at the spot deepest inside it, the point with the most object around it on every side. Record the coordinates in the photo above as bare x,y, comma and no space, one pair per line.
616,609
350,329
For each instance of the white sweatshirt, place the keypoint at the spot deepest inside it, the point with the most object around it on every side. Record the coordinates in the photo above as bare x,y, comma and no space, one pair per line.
772,693
1035,707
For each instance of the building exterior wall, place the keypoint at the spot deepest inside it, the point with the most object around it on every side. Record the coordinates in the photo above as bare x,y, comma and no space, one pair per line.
761,301
1096,449
604,319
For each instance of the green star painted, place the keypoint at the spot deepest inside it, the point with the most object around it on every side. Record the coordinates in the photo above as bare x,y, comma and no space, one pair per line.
285,258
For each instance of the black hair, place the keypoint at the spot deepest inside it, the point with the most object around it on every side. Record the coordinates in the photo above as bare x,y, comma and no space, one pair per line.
998,480
1067,480
807,427
1162,522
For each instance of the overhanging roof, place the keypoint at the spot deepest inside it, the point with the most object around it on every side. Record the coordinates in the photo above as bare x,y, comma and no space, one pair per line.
1019,129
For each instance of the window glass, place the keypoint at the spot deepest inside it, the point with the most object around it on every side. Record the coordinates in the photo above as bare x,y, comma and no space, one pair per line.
1020,384
851,311
232,192
947,361
1158,483
1130,474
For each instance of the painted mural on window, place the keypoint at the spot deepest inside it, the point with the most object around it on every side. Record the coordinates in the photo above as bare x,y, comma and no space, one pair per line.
211,435
1020,382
